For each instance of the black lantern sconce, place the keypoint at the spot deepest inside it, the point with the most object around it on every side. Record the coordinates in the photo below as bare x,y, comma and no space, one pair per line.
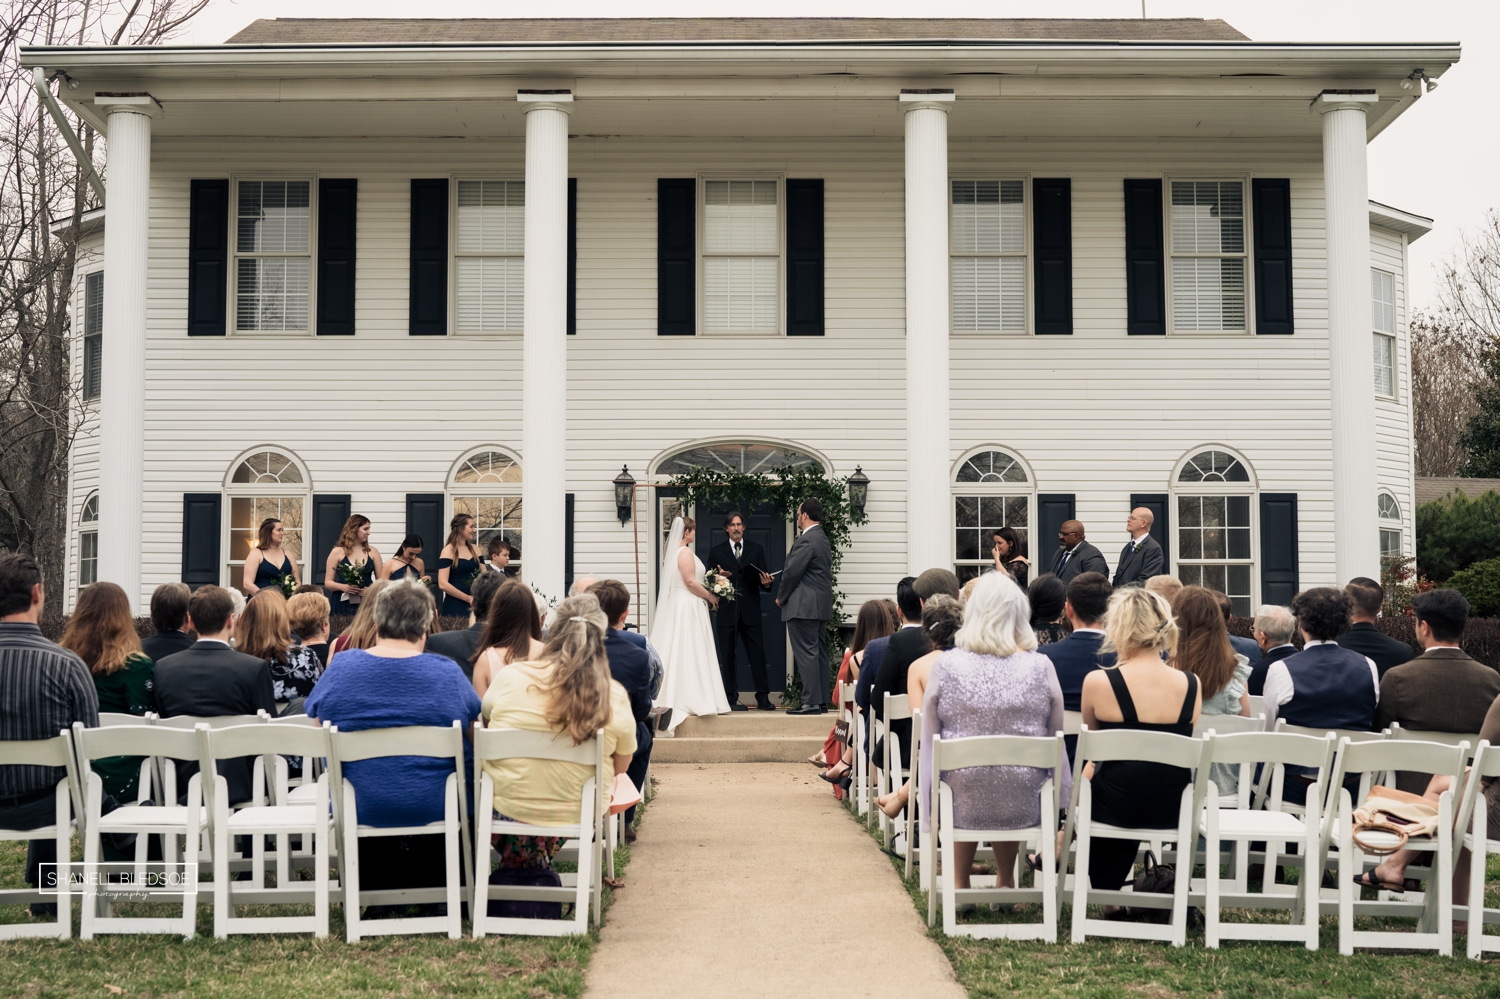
859,490
624,494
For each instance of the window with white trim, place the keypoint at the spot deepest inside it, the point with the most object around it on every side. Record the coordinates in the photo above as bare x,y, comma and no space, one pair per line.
88,542
1383,314
741,256
991,490
1209,265
93,335
987,231
273,255
1389,513
489,256
486,485
265,485
1215,501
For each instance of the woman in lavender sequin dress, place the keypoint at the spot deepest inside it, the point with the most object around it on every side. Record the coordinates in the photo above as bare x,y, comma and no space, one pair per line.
993,683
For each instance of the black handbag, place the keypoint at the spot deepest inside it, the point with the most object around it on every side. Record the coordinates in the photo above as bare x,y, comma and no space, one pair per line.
1158,879
529,877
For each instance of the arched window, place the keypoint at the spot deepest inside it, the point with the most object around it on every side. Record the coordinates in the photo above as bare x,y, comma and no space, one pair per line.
739,457
1215,494
486,485
88,542
1389,512
991,490
264,483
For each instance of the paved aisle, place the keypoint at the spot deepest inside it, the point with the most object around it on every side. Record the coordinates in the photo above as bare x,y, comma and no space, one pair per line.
740,876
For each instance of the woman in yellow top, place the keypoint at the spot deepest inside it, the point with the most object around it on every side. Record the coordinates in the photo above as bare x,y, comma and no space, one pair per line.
566,690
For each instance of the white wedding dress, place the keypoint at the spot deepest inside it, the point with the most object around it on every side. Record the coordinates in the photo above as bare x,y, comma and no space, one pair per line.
684,636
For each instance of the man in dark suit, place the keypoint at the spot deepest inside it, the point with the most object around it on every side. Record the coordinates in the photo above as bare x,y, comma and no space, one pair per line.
1075,555
1274,628
1363,637
1246,647
211,679
630,666
744,562
1078,655
907,645
1142,558
460,646
806,601
169,606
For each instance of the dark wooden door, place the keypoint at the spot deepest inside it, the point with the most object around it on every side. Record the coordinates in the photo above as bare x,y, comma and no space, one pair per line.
768,530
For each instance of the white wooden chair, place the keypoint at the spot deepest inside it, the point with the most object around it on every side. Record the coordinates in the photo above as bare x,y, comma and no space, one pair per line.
1257,704
1072,722
1481,842
1227,724
413,740
1131,744
1434,914
1242,825
168,820
892,772
67,800
922,852
258,820
110,718
1330,803
1046,753
168,781
503,744
873,730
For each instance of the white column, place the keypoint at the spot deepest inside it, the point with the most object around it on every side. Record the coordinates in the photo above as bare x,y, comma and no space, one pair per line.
1346,200
122,402
544,344
929,513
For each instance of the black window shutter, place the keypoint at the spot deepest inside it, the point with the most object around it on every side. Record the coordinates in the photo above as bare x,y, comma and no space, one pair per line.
329,515
1052,509
200,539
337,211
1052,243
424,518
1278,547
1272,206
804,257
1145,260
572,255
1160,505
567,542
429,258
676,256
208,258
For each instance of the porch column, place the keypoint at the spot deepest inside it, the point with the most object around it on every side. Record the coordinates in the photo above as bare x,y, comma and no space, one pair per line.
122,402
1346,200
544,342
929,511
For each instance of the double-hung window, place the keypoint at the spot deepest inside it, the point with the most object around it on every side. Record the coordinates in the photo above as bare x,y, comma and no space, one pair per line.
741,256
273,256
489,256
1209,262
991,490
88,542
1215,495
1383,314
1389,512
987,230
93,335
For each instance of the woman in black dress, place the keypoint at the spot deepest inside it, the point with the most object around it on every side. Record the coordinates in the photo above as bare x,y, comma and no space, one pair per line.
1010,556
1047,594
267,564
352,566
458,567
407,560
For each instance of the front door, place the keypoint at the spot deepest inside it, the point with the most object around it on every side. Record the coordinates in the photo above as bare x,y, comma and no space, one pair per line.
767,529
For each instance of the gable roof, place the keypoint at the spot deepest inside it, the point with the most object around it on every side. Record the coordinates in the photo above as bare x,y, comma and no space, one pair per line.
751,30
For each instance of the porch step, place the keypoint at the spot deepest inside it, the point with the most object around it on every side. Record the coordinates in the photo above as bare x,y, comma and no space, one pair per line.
745,737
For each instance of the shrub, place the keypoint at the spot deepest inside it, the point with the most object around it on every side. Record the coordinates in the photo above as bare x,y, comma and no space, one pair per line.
1455,532
1480,585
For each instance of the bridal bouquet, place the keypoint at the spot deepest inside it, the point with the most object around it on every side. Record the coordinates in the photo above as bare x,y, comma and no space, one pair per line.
720,586
351,575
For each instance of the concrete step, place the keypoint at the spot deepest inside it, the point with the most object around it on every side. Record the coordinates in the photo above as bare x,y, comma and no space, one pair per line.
754,724
744,737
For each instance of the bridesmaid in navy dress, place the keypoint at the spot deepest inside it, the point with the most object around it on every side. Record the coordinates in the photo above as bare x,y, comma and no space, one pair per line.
458,565
354,549
406,561
268,562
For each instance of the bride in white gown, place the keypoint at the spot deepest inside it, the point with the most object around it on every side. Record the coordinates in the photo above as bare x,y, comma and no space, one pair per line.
683,634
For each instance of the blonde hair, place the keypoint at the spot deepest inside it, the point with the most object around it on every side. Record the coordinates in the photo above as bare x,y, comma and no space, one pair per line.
361,633
1138,620
578,689
264,630
1166,586
308,612
996,618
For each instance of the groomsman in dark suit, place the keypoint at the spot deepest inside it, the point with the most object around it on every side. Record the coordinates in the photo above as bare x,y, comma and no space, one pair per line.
1075,555
743,562
1142,558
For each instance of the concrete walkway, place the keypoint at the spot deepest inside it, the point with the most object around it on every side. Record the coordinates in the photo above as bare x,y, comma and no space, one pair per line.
741,877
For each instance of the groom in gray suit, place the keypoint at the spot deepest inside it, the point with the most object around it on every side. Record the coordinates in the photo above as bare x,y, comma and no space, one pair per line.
806,601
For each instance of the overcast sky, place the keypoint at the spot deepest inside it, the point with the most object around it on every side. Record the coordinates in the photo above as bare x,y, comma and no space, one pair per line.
1440,159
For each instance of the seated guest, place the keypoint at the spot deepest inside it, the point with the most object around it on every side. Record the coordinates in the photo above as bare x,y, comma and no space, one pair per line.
308,613
1274,627
1367,597
1144,693
1047,594
993,683
512,631
1203,650
47,690
630,666
1078,655
658,670
461,645
1244,646
906,647
1164,586
361,633
265,632
210,680
362,690
102,633
942,616
908,614
1442,690
567,690
169,603
872,622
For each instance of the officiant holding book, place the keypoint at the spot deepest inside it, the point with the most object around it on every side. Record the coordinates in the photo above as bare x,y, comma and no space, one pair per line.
743,562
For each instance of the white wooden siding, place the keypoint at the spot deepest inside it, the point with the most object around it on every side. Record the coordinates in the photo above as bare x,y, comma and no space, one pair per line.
1393,431
83,460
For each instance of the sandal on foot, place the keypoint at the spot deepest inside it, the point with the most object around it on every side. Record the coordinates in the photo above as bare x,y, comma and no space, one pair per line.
1368,880
836,778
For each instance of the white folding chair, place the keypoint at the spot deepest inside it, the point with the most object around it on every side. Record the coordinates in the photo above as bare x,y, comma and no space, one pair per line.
256,821
1044,753
1154,747
1243,825
504,744
168,820
1330,803
109,718
874,730
67,801
1072,722
892,773
413,740
1227,724
1257,705
1434,914
189,723
913,807
1480,841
